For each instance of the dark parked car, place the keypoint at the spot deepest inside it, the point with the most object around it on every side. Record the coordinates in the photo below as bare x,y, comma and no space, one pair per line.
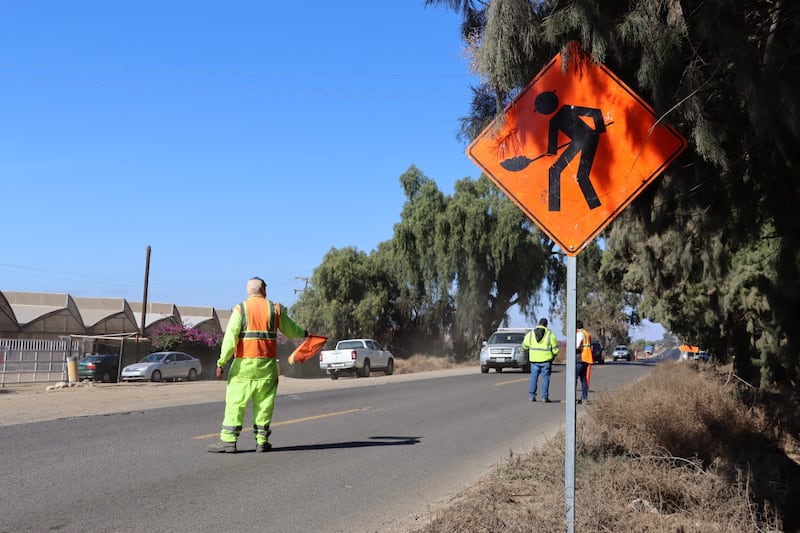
597,353
99,367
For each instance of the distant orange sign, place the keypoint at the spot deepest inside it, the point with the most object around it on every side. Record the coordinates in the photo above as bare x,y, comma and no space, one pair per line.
574,149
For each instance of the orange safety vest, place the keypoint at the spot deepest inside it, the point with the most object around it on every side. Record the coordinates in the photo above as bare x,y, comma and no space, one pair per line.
258,337
586,348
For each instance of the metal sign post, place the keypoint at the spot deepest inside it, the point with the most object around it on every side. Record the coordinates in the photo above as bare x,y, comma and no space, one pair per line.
569,429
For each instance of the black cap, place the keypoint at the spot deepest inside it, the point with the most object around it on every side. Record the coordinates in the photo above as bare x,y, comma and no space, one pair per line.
542,321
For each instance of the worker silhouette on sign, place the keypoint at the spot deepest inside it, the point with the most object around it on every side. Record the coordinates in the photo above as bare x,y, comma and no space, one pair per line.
584,139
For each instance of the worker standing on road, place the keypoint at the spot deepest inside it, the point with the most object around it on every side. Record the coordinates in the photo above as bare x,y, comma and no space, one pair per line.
542,348
251,338
584,359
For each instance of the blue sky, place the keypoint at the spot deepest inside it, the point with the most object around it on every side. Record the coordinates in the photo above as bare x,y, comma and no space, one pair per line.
236,139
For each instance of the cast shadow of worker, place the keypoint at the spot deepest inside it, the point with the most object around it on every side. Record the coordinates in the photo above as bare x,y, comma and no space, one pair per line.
373,441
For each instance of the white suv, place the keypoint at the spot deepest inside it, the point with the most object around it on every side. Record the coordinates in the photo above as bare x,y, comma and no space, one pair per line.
621,352
504,350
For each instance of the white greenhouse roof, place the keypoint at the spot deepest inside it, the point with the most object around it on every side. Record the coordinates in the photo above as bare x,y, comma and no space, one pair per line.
57,314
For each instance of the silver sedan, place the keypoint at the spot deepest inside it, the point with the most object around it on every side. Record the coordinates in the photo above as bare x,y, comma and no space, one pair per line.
163,365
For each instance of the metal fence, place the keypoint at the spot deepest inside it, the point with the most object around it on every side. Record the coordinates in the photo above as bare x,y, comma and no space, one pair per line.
36,360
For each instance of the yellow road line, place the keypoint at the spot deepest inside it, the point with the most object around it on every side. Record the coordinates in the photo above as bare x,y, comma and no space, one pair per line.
518,380
294,421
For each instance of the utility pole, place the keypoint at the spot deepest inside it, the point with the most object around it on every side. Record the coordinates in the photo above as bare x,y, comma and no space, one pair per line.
146,283
304,279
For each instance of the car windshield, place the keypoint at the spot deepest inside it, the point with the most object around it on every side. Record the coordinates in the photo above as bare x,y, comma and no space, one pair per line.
621,348
93,358
506,338
154,358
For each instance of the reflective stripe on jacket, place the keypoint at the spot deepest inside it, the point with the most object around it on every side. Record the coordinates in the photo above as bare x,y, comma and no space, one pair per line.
254,367
541,351
258,336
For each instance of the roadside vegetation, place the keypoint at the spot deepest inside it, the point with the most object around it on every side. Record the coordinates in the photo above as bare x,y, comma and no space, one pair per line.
689,448
424,363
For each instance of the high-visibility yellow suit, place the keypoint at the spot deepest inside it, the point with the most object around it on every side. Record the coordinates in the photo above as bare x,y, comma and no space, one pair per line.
542,348
251,339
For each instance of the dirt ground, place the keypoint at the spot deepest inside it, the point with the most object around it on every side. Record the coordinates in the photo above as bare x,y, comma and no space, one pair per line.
22,403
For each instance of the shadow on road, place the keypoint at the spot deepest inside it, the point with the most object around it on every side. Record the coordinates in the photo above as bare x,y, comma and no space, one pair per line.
375,441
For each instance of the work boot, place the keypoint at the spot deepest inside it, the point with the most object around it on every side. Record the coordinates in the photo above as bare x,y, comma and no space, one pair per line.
261,448
222,447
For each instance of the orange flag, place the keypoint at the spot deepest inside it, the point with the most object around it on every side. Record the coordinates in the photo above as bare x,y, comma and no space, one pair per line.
307,349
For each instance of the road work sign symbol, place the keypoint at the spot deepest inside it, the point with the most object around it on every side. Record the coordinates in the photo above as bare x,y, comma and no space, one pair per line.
574,149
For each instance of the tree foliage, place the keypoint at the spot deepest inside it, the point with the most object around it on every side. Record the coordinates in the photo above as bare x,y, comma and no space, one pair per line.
349,295
712,246
451,273
470,257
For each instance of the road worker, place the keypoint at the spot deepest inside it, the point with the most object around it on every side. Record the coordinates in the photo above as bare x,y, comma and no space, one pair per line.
251,339
584,359
542,348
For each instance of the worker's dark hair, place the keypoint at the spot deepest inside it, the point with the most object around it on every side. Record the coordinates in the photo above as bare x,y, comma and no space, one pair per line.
543,322
579,324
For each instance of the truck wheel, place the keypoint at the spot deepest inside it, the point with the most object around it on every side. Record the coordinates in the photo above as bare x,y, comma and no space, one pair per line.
334,374
526,369
365,370
389,370
484,369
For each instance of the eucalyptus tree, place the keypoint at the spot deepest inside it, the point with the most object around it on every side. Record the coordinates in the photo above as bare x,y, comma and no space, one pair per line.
426,292
453,270
467,259
713,245
497,258
349,295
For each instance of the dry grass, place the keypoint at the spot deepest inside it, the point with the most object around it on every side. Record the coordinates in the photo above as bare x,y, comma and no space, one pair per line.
425,363
679,451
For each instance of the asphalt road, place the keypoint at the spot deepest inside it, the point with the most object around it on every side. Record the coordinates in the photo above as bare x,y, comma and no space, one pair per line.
372,458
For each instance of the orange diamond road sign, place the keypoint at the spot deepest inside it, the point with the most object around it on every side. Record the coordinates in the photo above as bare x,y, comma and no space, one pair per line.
574,149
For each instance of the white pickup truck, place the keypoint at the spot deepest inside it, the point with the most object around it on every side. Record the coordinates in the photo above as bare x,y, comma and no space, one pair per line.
356,356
